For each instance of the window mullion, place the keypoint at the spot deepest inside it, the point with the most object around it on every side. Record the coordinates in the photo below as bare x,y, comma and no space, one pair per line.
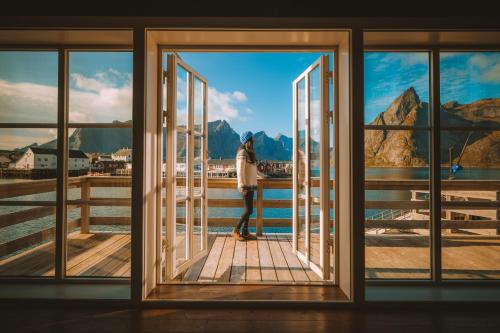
62,164
435,177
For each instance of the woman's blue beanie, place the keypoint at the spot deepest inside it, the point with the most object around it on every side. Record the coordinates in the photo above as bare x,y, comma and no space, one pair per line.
245,136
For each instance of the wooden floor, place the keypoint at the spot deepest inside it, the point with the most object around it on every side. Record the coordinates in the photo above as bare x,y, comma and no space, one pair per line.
407,256
259,320
267,260
96,255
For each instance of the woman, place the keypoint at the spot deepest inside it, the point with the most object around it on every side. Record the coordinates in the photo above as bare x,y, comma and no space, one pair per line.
246,168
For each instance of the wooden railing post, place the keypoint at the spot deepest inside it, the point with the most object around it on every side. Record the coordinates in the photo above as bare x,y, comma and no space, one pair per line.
85,209
258,220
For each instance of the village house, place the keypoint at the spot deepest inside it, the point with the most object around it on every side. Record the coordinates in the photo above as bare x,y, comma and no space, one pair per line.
123,154
46,159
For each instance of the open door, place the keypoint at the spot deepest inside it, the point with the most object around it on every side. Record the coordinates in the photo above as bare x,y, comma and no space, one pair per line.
311,172
185,170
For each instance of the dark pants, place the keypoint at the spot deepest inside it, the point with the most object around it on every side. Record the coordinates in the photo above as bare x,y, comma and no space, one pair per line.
248,201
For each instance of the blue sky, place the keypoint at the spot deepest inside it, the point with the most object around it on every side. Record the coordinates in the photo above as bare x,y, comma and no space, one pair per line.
253,91
265,79
465,77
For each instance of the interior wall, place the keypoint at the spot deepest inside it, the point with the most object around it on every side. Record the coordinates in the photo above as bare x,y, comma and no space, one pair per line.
151,172
344,166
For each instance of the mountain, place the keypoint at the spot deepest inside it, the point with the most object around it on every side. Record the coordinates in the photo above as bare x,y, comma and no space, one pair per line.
223,142
400,148
97,140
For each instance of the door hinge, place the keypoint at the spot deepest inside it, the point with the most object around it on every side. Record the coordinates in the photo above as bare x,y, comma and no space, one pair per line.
330,75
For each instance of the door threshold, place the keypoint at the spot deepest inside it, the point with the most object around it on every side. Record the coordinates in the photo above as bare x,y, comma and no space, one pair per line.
247,293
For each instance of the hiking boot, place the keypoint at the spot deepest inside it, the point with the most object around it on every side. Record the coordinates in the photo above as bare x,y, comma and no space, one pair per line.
236,235
248,236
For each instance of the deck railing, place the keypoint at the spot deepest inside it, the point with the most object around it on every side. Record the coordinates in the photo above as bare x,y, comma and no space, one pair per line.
475,195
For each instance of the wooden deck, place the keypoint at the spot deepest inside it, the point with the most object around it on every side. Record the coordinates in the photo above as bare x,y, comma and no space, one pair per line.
96,255
267,260
407,256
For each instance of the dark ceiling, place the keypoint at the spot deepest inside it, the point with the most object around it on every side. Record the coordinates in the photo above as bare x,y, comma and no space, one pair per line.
254,8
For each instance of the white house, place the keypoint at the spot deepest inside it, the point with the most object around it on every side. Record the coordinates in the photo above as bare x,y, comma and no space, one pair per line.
123,154
46,158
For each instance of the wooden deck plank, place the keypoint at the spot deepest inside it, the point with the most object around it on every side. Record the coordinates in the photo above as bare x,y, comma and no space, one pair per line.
280,265
252,262
115,260
193,273
239,262
267,270
292,261
87,251
95,256
223,272
23,264
209,268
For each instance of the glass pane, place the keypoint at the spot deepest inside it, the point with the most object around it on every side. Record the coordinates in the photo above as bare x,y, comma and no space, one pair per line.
302,160
103,157
198,165
470,88
28,87
397,204
470,179
98,237
99,164
315,233
198,226
28,164
314,161
27,239
180,242
396,88
100,87
182,95
198,105
181,167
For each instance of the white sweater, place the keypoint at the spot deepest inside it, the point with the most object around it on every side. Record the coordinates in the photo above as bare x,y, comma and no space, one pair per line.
247,172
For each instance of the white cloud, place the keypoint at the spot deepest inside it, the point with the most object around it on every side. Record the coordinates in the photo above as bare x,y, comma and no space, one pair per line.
240,96
488,66
27,102
100,98
380,61
226,105
105,97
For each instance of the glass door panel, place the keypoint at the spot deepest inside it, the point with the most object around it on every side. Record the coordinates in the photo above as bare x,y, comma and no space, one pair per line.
184,171
301,166
312,161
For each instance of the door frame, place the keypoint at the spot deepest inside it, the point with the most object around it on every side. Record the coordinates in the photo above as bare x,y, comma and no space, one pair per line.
331,49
